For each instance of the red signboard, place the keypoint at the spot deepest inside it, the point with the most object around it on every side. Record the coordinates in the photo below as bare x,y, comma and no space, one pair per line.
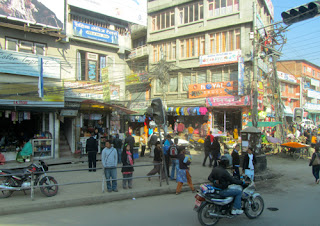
229,88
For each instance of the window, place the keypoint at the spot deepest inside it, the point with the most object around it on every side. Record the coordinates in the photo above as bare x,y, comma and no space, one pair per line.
192,47
229,73
318,74
92,66
159,89
222,7
202,77
168,50
283,87
313,73
290,88
225,41
163,20
191,13
173,85
25,46
304,69
186,81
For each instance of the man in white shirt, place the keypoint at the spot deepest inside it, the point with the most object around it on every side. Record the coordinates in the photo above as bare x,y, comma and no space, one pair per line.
109,161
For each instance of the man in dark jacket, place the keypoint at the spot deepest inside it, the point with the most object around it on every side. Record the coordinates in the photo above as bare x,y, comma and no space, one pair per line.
129,140
221,179
211,149
236,161
92,149
117,144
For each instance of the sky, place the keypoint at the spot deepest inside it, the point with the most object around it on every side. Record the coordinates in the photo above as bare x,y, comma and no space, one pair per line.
303,38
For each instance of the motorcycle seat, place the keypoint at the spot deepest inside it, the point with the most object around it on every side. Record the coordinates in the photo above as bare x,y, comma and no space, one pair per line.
214,196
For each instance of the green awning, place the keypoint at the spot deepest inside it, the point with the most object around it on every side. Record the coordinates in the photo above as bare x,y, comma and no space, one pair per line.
265,124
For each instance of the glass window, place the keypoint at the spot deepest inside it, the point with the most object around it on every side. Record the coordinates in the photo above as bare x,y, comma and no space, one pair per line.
233,74
12,44
283,87
186,81
216,76
39,49
26,47
202,77
159,89
173,84
191,13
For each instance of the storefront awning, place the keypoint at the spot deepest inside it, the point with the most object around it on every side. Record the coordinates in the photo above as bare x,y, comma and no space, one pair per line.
93,104
265,124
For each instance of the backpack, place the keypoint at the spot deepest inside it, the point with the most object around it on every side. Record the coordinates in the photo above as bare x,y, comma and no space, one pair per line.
173,150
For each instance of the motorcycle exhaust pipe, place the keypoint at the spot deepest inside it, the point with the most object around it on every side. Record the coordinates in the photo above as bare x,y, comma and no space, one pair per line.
221,216
3,187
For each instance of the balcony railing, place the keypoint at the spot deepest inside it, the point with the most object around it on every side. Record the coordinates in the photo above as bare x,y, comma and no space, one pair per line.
139,52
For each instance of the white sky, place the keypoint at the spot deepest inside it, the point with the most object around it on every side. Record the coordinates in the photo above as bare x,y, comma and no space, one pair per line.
57,6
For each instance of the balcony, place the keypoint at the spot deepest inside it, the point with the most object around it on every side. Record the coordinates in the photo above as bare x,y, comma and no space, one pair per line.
141,51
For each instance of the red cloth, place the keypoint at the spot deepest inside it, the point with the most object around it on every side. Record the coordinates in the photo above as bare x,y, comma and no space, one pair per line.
180,127
211,137
2,159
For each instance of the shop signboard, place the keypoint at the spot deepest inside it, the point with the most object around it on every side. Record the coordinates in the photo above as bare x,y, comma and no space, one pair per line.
42,12
263,66
134,11
137,78
270,7
241,76
287,77
95,32
84,89
313,94
311,107
65,112
114,92
220,58
228,88
228,101
28,103
29,64
315,82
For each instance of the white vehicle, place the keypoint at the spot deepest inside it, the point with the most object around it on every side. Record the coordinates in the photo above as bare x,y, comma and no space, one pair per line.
308,124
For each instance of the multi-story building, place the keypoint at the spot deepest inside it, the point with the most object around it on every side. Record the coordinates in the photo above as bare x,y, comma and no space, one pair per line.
210,44
309,79
79,48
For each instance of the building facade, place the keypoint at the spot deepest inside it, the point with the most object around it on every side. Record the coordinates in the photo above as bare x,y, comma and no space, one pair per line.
308,75
210,44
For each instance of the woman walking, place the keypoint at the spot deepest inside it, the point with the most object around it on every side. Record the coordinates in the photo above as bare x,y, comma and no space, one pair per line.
315,163
157,159
183,174
127,169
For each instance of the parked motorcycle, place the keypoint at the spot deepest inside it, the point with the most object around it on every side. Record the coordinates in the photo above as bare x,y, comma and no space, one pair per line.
211,207
20,180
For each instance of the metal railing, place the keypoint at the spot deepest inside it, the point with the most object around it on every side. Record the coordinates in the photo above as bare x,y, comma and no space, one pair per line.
103,181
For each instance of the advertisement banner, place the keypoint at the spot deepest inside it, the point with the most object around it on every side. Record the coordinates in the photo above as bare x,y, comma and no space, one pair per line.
229,88
287,77
114,92
270,7
313,94
137,78
228,101
315,82
94,32
220,58
41,12
134,11
241,76
28,64
88,90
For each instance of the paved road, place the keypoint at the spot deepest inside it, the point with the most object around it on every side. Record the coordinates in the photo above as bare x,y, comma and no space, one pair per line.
294,193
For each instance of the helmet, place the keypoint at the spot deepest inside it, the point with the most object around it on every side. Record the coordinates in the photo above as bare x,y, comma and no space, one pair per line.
224,161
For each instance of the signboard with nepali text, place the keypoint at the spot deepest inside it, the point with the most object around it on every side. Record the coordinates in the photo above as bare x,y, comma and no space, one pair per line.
228,101
220,58
228,88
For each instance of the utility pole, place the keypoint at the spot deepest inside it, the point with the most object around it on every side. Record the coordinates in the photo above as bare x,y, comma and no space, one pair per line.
255,69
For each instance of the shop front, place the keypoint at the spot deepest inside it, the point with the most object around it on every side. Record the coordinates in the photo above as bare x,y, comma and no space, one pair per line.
24,120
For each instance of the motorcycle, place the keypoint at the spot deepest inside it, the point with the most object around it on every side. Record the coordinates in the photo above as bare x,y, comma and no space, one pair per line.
20,180
211,207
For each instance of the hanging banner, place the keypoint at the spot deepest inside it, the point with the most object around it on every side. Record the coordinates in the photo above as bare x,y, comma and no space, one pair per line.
228,101
220,58
229,88
241,86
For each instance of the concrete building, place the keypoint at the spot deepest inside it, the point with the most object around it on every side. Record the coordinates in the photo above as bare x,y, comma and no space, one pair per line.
210,44
79,48
309,79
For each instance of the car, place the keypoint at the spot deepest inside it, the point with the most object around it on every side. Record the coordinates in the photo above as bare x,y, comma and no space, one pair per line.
308,124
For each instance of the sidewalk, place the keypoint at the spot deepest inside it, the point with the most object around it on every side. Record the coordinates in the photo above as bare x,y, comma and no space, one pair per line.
91,193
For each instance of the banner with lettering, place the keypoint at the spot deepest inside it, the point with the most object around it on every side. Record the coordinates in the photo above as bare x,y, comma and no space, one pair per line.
229,88
228,101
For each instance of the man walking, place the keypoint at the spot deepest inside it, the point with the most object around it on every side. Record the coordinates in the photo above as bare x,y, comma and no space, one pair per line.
236,161
129,140
92,149
109,160
117,144
153,140
166,146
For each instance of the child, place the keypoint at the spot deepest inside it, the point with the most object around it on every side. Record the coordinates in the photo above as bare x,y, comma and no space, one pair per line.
2,159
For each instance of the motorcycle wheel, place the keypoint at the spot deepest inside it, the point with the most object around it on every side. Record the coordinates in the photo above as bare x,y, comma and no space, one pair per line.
6,181
51,188
204,215
254,209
